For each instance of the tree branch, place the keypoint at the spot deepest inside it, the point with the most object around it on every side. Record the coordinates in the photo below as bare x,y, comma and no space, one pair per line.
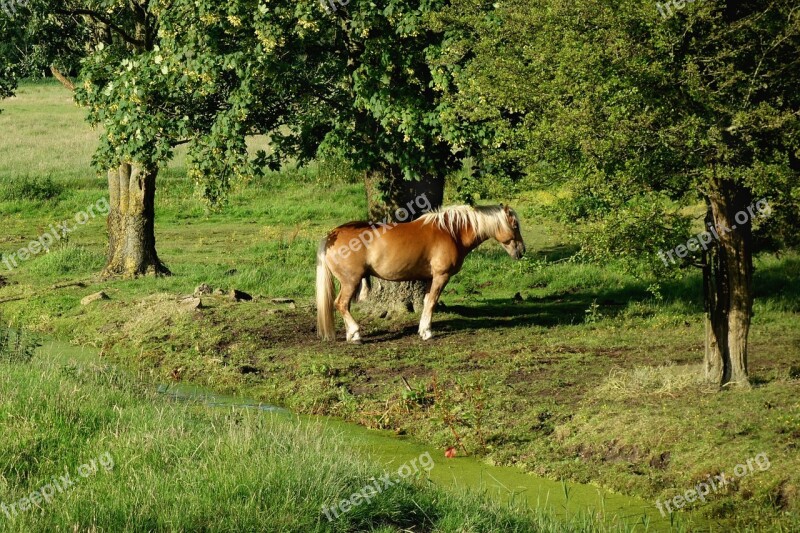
66,82
104,20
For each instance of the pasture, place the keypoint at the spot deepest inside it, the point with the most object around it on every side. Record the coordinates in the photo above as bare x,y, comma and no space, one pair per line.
563,368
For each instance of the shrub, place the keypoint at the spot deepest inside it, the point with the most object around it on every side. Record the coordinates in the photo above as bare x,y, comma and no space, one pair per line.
37,189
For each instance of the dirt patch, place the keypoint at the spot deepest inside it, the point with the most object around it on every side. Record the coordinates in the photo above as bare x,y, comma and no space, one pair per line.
660,461
290,328
786,496
611,452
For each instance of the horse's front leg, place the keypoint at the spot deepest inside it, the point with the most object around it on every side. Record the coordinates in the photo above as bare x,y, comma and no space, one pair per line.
437,285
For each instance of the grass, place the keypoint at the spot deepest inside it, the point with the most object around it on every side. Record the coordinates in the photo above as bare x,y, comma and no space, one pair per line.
188,467
588,376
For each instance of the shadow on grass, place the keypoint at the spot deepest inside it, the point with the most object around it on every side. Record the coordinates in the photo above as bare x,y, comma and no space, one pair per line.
556,253
774,282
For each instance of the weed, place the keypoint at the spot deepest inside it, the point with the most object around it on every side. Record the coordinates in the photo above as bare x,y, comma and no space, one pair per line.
593,314
16,346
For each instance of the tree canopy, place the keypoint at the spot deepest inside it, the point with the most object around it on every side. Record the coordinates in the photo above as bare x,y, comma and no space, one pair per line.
633,113
354,83
638,118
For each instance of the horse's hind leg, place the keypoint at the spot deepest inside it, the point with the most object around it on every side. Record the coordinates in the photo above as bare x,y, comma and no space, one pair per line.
348,289
437,285
365,287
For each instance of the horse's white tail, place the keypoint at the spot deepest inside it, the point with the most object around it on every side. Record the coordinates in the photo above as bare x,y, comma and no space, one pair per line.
325,325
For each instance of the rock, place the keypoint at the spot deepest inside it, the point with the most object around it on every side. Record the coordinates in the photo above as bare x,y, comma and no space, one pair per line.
218,292
238,296
231,272
94,298
191,303
203,289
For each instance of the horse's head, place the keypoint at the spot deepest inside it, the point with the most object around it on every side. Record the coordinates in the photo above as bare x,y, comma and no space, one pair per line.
509,235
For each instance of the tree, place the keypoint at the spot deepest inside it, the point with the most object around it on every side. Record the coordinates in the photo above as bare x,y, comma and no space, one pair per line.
379,108
145,109
354,83
395,131
638,117
124,32
104,34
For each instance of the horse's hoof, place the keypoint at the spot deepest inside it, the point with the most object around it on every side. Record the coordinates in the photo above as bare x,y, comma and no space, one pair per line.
355,341
426,335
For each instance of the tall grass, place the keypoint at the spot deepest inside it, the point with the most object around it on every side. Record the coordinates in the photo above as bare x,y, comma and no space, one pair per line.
188,467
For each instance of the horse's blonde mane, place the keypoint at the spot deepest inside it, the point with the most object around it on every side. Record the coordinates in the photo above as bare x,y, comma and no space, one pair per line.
485,220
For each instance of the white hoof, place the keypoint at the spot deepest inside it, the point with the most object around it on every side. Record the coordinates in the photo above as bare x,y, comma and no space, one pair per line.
426,335
354,337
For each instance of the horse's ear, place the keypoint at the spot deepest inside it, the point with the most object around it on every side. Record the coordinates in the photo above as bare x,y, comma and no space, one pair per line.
505,208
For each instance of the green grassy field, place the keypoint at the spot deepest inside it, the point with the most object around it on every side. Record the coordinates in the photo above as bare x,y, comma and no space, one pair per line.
586,377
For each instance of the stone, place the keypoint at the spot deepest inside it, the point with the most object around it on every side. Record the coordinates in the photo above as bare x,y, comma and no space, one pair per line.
94,298
203,289
238,296
191,303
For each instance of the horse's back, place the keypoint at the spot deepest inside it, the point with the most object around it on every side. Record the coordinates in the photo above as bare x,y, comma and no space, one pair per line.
396,252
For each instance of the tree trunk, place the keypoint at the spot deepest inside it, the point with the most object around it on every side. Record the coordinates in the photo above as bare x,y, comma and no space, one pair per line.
387,194
728,284
715,324
131,223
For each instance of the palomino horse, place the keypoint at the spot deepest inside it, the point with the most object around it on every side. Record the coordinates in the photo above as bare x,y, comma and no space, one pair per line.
431,248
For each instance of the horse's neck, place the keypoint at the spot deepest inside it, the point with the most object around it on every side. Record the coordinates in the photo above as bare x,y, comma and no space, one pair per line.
469,238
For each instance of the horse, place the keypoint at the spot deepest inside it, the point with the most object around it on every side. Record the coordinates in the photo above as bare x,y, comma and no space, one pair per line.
431,248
